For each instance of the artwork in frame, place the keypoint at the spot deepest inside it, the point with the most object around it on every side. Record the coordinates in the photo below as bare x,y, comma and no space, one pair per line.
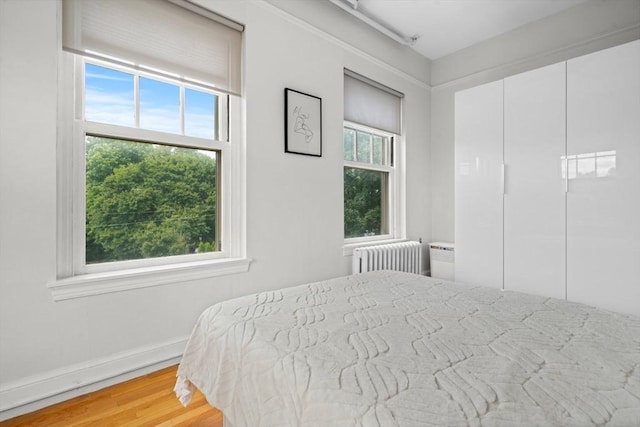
302,123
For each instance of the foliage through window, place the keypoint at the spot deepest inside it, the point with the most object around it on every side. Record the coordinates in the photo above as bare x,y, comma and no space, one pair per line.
147,200
368,172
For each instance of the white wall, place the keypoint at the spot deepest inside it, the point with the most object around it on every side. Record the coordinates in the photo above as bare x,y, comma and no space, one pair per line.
294,203
591,26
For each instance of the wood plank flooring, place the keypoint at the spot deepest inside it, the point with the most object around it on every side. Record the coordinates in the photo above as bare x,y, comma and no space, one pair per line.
140,402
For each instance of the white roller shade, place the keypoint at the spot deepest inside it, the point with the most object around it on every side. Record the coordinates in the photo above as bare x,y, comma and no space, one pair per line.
157,34
371,104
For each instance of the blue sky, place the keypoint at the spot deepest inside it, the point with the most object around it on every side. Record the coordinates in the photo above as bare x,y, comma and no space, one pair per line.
109,98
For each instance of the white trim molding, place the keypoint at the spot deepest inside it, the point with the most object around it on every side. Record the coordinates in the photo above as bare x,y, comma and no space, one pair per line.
39,391
563,53
122,280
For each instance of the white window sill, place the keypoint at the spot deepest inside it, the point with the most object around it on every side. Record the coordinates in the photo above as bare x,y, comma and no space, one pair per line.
348,248
117,281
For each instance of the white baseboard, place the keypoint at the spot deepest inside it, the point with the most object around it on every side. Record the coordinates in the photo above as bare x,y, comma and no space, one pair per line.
32,393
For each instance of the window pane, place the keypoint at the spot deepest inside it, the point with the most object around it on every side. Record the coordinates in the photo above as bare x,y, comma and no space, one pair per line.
364,147
365,202
145,200
348,138
108,96
200,114
159,106
378,150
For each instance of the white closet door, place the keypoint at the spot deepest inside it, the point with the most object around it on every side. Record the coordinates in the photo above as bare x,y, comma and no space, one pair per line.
478,192
603,202
534,199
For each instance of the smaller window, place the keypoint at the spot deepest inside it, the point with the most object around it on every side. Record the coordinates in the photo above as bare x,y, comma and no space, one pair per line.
368,177
373,172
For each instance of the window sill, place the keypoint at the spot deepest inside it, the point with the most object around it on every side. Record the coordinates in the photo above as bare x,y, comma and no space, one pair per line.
347,248
86,285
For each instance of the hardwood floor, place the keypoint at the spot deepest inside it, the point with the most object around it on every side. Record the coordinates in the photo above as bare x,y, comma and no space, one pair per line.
144,401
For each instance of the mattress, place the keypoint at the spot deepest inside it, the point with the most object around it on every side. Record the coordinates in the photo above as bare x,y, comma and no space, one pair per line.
396,349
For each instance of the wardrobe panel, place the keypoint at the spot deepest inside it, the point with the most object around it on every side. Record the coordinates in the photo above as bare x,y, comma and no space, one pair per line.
603,202
534,197
478,191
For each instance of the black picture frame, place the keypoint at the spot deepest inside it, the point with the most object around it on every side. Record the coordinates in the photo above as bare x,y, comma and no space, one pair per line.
302,123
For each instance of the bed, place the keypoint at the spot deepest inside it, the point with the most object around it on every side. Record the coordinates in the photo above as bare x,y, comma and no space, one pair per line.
396,349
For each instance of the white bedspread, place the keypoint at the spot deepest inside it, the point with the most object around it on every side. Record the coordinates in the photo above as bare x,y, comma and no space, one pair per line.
395,349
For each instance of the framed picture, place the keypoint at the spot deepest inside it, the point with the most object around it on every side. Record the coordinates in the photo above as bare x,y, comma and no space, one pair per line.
302,123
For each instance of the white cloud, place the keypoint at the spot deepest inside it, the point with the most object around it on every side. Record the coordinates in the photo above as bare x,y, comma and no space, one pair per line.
200,125
113,108
160,120
117,78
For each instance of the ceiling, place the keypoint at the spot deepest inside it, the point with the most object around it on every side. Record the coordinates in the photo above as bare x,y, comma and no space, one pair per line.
445,26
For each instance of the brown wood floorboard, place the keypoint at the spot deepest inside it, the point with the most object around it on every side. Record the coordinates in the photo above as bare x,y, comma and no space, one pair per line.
145,401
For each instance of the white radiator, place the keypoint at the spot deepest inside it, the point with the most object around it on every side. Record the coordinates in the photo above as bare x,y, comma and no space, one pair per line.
403,256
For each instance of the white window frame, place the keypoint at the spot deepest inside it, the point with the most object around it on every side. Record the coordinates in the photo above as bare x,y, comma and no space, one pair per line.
77,279
395,193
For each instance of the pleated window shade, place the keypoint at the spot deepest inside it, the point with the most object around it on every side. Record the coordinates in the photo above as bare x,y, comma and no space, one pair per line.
371,104
158,35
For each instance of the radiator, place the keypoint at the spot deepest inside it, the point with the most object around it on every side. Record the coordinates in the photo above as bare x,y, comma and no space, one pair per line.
403,256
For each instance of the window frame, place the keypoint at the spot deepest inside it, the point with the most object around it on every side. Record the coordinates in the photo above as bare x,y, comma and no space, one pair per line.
395,190
83,128
75,278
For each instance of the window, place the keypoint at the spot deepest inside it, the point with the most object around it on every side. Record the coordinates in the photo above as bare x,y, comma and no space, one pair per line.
372,165
149,172
148,194
368,173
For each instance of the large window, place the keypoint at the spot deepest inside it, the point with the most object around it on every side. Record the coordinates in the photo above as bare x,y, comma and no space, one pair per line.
147,193
372,182
148,165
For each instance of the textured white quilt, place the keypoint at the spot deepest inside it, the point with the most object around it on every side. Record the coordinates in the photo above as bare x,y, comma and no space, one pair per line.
396,349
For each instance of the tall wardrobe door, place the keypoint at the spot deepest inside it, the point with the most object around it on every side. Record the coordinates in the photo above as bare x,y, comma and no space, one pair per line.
534,199
603,202
478,192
